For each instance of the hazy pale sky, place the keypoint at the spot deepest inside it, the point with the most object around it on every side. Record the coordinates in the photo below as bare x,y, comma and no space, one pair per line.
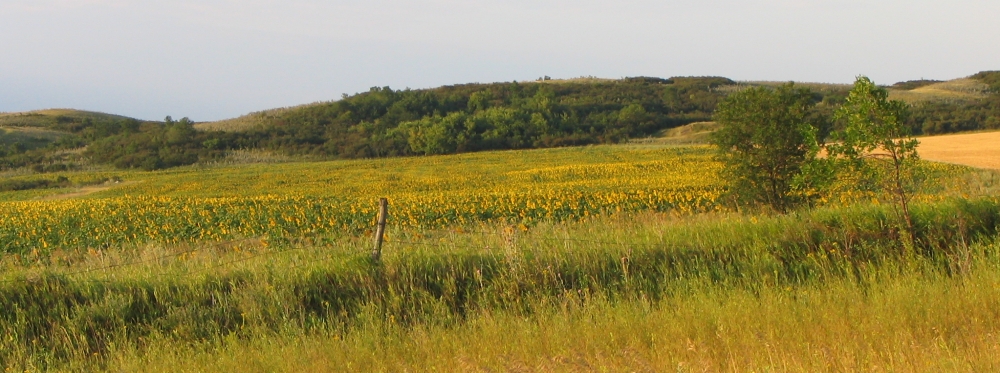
215,59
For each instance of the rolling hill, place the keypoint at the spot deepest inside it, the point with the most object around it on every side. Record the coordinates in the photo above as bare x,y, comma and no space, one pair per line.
384,122
960,90
50,117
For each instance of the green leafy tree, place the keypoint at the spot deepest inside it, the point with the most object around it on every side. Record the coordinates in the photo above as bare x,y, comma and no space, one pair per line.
876,146
766,137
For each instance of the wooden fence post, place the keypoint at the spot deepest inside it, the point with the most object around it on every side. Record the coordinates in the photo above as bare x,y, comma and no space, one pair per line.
383,210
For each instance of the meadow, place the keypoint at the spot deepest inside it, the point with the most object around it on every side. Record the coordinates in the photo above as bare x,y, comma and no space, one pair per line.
601,258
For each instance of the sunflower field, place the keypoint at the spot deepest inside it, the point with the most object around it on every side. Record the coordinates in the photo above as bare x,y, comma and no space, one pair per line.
274,202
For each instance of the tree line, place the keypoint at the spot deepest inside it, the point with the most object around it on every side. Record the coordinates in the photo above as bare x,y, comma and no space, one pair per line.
385,122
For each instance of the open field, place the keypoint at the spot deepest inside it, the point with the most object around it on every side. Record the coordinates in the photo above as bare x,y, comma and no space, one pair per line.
971,149
296,200
613,258
307,199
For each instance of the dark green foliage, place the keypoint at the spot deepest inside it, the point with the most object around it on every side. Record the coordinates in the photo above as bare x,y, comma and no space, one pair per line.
58,182
125,143
765,138
991,78
471,117
153,146
939,117
10,185
385,122
933,118
876,145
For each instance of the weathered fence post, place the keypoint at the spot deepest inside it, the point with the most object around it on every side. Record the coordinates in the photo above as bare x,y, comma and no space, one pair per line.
383,210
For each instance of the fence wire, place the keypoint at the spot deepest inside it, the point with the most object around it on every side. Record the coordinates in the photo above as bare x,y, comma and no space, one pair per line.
428,238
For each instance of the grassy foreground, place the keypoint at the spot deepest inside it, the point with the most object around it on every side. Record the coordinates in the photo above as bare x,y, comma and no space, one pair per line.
826,290
922,321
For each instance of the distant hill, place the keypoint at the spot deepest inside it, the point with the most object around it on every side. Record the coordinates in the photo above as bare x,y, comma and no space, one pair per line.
252,120
461,93
456,118
967,104
29,137
964,89
51,117
39,129
937,107
913,84
914,91
66,139
471,117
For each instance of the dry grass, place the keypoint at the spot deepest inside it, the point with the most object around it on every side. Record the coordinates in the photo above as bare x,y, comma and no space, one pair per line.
689,134
964,89
87,190
58,112
811,85
254,119
578,80
31,132
242,123
971,149
46,117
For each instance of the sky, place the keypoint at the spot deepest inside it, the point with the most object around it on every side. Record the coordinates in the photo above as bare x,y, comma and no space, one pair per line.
216,59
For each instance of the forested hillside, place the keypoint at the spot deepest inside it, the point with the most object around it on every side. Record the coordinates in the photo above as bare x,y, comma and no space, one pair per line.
471,117
387,122
956,115
460,118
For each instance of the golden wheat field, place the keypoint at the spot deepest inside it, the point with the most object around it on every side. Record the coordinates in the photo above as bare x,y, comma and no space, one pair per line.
971,149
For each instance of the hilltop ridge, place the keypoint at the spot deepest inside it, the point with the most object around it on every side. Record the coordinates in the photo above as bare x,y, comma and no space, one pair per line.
50,117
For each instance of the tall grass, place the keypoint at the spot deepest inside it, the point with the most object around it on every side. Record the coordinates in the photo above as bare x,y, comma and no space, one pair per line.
916,321
94,309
